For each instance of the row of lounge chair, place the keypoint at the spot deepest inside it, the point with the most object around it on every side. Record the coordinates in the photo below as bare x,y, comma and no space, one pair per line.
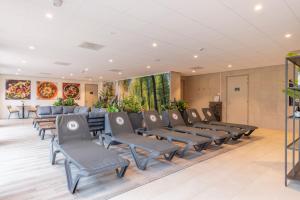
74,141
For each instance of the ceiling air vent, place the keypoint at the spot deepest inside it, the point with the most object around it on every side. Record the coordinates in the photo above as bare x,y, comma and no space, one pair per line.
45,73
196,68
91,46
115,70
62,63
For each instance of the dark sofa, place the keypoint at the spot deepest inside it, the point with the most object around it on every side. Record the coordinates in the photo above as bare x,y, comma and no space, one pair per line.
53,111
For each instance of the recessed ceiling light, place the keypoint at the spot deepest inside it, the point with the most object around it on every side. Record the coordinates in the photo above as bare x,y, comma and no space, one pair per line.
100,77
49,16
86,69
154,44
258,7
110,60
288,35
193,71
148,67
19,70
229,66
63,77
17,73
195,56
120,73
71,74
31,47
24,61
90,79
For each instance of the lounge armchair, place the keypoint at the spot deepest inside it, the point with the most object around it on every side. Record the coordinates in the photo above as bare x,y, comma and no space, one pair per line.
32,110
12,111
195,119
210,117
122,132
154,126
176,123
74,142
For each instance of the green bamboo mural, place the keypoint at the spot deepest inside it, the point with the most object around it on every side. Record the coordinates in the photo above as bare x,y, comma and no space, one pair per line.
152,91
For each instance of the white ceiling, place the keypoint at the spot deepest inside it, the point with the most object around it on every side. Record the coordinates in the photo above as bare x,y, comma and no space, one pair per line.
230,32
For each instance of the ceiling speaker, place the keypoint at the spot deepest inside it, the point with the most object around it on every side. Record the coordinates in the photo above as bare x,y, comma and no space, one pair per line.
57,3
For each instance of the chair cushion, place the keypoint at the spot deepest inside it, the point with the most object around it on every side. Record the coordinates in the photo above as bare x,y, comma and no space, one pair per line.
55,110
76,109
98,109
83,109
68,109
44,110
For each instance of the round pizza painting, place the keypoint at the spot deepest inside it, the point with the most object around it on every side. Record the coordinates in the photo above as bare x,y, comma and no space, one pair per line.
71,90
46,90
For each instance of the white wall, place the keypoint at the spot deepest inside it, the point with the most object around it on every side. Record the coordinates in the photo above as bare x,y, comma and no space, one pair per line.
266,99
34,101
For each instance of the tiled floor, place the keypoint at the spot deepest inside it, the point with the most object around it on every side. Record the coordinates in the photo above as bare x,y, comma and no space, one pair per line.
252,171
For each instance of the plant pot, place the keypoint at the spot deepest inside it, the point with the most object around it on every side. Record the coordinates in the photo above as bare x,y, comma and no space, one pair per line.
297,114
165,118
136,120
185,117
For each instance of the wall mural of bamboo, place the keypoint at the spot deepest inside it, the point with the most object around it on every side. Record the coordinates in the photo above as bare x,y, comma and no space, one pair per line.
152,91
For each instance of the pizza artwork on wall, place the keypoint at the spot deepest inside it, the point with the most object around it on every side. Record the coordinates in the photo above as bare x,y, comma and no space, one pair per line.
18,89
71,90
46,90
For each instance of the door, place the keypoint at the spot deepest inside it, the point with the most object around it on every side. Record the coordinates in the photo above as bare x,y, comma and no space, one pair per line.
91,94
237,99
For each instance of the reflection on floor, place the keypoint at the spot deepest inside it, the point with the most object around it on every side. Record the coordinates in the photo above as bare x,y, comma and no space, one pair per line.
251,171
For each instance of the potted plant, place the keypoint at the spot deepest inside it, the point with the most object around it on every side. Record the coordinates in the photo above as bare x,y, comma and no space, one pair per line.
110,109
58,102
67,102
165,114
132,105
295,96
182,106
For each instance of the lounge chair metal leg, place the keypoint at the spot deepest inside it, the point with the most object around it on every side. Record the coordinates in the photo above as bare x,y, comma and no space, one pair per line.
121,172
9,116
53,158
141,163
159,138
249,133
53,153
184,150
40,132
101,138
72,185
43,134
170,156
200,147
108,145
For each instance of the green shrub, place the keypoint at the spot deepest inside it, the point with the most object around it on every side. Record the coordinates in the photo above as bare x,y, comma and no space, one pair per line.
58,102
181,105
112,108
131,104
66,102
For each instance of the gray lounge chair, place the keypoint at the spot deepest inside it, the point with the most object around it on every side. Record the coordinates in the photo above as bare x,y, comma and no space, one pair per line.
122,132
195,119
74,142
176,123
154,126
210,117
